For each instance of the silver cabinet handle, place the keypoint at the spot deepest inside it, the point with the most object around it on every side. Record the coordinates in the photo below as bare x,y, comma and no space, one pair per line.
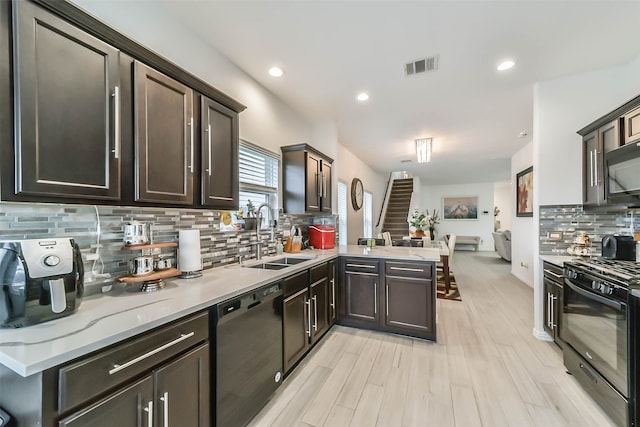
118,368
149,410
549,309
558,276
595,163
333,293
210,153
315,312
116,122
165,408
375,298
553,310
591,164
386,289
308,304
416,270
323,185
361,266
190,124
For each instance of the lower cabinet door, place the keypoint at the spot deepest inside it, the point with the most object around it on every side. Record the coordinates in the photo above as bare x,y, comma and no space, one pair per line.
409,306
361,298
131,406
182,391
296,324
320,309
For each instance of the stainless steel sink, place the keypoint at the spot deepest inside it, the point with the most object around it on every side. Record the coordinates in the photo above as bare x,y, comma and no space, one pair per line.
279,263
268,266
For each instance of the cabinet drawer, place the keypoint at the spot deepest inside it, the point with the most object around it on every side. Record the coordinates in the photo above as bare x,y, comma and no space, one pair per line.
319,272
553,272
91,376
420,270
295,283
361,265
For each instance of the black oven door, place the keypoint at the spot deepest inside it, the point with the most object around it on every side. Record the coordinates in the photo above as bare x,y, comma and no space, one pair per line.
623,170
596,327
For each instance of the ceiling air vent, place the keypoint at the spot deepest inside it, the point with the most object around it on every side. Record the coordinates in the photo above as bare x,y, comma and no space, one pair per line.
421,65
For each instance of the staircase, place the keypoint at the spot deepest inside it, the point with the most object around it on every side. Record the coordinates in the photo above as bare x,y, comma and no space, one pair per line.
395,221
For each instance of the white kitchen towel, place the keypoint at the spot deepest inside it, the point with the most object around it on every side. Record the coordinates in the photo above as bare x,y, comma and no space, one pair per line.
189,258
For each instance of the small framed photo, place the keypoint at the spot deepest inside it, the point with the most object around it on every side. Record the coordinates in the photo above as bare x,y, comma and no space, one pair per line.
524,192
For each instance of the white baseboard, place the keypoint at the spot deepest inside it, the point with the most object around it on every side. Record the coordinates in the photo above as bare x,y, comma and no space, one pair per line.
542,335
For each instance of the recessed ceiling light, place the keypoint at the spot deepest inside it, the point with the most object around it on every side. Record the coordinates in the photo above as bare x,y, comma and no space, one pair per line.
276,72
505,65
362,96
523,134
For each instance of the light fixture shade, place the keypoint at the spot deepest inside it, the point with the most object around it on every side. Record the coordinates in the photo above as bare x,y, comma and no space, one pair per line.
423,149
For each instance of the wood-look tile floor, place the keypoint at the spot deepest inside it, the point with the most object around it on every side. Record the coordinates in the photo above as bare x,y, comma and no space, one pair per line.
486,369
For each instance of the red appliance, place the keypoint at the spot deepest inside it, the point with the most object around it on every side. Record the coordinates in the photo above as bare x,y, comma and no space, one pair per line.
322,236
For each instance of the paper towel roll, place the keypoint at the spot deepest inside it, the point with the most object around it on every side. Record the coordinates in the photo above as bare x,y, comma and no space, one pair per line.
189,258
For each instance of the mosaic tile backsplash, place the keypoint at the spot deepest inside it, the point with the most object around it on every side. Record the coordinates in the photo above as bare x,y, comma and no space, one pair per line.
98,230
573,219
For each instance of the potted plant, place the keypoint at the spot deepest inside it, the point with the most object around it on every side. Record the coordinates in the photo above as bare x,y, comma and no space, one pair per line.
418,223
250,220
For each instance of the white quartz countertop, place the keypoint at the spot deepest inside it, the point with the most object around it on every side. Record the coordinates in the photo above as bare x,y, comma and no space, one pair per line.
105,319
558,260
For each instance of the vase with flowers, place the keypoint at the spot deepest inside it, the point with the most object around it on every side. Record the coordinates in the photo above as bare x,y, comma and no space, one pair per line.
432,218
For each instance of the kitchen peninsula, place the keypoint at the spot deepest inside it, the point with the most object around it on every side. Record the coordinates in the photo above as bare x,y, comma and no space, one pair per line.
372,286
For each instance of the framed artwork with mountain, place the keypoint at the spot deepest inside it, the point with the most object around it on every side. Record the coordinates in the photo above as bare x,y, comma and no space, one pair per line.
524,192
460,207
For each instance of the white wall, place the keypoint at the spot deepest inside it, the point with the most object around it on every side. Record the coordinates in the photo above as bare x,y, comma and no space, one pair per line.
560,108
266,122
504,199
563,106
351,167
431,198
523,236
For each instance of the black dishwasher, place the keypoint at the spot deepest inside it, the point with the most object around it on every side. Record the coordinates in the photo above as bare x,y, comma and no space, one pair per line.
248,356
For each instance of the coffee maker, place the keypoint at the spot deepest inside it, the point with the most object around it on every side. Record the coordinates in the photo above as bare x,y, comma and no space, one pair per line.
40,280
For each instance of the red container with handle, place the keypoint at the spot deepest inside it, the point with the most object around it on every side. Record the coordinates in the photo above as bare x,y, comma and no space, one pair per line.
322,236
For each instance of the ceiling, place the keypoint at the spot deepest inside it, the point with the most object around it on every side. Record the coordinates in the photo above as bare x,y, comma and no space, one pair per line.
332,50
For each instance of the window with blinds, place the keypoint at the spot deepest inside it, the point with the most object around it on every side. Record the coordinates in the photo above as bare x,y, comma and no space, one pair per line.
342,213
258,170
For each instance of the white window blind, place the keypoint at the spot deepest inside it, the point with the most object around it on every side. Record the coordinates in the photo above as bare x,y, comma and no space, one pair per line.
258,173
342,213
368,214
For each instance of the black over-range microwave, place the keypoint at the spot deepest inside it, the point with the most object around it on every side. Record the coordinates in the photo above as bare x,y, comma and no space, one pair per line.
623,170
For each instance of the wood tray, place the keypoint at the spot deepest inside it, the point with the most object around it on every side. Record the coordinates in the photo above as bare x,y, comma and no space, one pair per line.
159,274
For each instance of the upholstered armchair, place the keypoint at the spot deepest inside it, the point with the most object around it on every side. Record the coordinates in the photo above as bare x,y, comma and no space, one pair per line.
502,240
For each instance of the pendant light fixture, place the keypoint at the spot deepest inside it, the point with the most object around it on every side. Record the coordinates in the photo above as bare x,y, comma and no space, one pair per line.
423,149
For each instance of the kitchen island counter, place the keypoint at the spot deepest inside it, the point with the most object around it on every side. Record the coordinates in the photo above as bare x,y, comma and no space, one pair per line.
124,312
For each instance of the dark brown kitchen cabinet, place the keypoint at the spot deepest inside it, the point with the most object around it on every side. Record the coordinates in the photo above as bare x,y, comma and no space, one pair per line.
359,293
400,298
306,311
552,278
67,110
127,407
409,298
306,179
164,138
296,318
174,394
632,126
219,154
333,307
595,145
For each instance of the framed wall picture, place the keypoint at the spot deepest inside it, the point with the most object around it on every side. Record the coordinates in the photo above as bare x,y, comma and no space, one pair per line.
524,192
460,207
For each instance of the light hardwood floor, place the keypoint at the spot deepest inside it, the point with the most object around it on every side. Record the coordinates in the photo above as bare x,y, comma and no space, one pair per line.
486,369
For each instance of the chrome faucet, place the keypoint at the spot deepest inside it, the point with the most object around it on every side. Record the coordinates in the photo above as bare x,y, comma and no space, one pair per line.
271,223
